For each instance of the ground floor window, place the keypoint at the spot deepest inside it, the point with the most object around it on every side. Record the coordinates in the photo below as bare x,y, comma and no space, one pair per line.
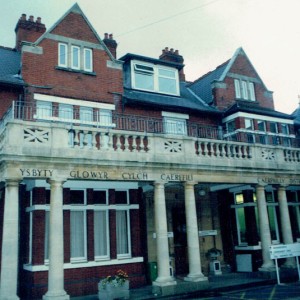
95,221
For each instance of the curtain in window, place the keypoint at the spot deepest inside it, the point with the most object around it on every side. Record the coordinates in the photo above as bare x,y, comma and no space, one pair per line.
122,232
100,233
77,234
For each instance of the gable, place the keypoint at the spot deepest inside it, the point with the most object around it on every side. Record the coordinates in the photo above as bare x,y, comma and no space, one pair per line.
242,66
74,26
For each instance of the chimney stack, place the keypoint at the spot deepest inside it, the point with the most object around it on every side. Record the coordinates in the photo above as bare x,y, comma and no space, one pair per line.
173,56
28,30
111,44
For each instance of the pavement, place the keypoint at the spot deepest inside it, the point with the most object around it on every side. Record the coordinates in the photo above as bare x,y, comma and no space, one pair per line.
219,285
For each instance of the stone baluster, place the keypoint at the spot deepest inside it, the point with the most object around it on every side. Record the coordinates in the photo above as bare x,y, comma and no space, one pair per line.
126,143
134,144
94,139
118,142
76,138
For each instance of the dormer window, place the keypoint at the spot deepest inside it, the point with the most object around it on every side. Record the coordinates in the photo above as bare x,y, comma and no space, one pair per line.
244,90
154,78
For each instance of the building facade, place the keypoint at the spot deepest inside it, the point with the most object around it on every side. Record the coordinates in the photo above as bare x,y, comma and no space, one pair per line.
111,164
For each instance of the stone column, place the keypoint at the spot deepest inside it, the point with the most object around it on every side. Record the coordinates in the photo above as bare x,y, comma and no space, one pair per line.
10,242
56,244
286,228
264,226
162,245
195,271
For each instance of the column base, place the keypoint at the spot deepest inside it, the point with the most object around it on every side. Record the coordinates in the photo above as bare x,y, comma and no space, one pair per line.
167,281
56,296
164,287
268,267
195,278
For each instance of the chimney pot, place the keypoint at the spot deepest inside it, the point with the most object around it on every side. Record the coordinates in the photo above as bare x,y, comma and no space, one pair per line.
171,50
176,52
106,35
111,36
38,20
23,17
31,18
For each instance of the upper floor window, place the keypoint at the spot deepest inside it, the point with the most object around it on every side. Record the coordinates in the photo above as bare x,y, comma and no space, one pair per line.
155,78
244,90
75,57
175,123
285,128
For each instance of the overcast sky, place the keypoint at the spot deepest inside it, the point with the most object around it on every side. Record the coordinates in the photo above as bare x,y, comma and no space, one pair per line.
206,33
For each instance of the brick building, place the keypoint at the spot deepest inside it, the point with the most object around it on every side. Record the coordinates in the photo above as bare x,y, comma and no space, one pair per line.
119,163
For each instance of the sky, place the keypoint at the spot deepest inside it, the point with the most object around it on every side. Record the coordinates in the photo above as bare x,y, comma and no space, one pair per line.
206,33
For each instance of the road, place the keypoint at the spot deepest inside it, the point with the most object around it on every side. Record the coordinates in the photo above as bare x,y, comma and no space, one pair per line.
271,292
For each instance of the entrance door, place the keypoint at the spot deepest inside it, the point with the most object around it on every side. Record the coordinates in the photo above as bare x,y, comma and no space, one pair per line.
180,240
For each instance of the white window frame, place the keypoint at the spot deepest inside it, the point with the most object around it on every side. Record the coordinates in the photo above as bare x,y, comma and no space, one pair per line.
86,114
73,57
90,60
61,62
174,119
43,110
153,71
105,116
244,90
65,112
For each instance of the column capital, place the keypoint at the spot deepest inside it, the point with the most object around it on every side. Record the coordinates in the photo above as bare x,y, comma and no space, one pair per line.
190,183
12,181
56,181
159,183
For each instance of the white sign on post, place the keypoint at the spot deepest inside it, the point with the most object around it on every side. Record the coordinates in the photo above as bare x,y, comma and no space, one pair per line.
285,251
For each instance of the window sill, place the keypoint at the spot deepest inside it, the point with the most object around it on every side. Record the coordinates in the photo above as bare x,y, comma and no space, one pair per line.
75,71
87,264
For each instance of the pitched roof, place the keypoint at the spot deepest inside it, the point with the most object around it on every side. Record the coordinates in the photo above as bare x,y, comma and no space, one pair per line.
254,108
10,64
202,86
186,101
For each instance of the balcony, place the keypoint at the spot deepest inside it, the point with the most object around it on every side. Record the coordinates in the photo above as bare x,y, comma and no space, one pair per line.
138,140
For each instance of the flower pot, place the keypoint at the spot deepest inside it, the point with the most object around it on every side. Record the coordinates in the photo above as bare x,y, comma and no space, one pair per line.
111,291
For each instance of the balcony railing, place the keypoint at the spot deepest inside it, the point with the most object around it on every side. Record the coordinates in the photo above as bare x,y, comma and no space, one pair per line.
143,124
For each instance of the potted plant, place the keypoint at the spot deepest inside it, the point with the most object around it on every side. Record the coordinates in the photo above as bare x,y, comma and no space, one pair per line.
114,286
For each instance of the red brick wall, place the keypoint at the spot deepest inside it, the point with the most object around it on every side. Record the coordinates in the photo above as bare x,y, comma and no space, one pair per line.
40,69
74,26
7,96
